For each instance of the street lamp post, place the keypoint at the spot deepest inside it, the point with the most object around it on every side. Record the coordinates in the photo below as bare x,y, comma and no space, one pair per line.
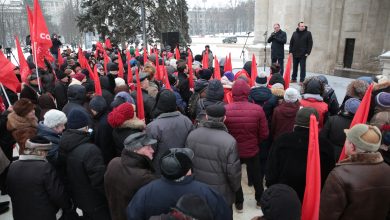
3,33
143,25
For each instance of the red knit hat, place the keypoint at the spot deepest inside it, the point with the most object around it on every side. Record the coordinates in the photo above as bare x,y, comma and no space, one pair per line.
121,114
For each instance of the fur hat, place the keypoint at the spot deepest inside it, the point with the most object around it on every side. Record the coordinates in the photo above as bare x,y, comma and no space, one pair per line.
176,162
23,106
278,90
166,101
121,114
119,82
53,118
313,85
365,137
302,118
357,89
38,143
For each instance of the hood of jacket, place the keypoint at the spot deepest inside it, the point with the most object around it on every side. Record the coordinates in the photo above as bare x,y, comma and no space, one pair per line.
76,94
301,31
73,138
260,94
134,160
240,91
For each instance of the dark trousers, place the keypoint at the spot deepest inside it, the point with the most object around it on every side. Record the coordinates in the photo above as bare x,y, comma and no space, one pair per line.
302,62
254,173
281,63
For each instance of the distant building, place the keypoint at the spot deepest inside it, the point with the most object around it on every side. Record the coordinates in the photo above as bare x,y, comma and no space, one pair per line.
197,21
54,9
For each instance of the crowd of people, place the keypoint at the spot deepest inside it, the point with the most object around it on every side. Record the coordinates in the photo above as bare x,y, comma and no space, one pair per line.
88,156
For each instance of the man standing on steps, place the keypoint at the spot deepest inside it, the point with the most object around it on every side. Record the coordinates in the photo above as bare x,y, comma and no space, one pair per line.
301,44
278,38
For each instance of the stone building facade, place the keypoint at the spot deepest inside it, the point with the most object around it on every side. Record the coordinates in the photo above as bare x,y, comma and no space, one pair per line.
348,35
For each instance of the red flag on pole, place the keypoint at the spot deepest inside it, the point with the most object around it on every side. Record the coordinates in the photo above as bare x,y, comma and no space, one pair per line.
217,70
108,43
158,69
190,72
361,114
60,58
166,79
106,61
145,56
228,64
253,70
24,69
7,75
96,80
311,199
128,55
130,77
120,66
99,48
177,53
41,36
137,52
82,60
205,60
287,73
140,101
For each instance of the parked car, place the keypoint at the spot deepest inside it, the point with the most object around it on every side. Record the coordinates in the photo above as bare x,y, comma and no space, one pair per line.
229,40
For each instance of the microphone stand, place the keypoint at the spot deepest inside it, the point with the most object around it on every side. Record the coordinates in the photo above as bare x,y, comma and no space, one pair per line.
265,49
243,49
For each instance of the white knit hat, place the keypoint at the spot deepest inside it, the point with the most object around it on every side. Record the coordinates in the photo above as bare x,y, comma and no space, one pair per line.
119,82
291,95
53,118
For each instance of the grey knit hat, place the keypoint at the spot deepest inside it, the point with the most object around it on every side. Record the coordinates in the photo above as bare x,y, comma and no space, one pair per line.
137,141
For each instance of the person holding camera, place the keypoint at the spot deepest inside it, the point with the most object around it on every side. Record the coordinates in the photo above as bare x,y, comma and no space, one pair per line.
278,39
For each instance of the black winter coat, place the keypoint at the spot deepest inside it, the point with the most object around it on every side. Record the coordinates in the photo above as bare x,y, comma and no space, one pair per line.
60,94
149,103
35,190
128,128
278,41
85,173
301,43
333,130
288,156
103,137
184,86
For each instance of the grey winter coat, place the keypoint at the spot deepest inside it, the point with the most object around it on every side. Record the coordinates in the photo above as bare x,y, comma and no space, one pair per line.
216,161
170,130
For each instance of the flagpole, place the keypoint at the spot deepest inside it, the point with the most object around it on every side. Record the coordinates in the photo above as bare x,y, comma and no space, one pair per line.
5,94
36,66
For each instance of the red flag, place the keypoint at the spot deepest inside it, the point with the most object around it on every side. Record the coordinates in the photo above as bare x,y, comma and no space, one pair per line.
177,53
96,80
130,77
30,23
287,73
24,69
228,64
205,60
140,101
361,114
82,60
217,70
145,56
311,199
7,75
106,61
137,52
158,69
99,48
128,55
120,66
60,58
166,79
190,72
108,43
253,70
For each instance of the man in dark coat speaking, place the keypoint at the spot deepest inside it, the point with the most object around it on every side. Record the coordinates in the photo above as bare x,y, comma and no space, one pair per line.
278,39
301,44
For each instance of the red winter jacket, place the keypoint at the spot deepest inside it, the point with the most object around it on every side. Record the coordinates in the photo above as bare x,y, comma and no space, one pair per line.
245,121
283,118
320,106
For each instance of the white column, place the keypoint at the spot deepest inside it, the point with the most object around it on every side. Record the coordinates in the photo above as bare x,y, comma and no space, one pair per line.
385,61
261,20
